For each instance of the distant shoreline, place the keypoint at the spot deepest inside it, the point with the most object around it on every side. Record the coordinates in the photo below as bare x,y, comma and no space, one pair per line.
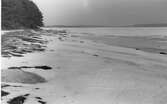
130,26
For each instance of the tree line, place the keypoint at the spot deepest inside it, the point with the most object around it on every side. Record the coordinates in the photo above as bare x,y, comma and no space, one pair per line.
20,14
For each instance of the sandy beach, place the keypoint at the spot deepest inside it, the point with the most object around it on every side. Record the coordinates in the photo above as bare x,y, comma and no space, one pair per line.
67,66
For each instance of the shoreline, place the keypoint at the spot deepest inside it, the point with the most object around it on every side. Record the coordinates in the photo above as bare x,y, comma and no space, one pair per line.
80,69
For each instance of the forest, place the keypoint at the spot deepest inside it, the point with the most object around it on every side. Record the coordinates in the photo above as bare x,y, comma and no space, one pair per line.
20,14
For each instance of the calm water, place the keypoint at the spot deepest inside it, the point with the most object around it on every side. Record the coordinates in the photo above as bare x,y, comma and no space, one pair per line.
139,31
156,43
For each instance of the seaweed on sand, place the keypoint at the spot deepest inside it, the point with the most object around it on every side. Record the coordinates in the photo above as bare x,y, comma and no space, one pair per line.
36,67
42,102
43,67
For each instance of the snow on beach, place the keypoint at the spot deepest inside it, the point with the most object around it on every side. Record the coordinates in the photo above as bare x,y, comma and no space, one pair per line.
81,67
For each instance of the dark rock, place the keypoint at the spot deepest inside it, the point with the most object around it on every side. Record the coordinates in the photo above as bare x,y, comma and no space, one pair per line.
38,98
17,86
4,93
163,53
60,39
17,100
81,41
95,55
5,85
26,95
137,48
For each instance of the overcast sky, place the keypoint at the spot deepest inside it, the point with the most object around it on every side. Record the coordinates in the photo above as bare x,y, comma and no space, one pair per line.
103,12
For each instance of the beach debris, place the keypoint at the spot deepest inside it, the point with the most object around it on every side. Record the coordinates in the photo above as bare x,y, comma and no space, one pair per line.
18,43
21,42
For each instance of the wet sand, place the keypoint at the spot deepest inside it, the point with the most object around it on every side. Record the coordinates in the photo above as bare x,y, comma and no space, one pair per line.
153,44
88,69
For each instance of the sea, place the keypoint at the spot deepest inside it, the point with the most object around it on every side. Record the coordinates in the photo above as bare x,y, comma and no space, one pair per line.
118,31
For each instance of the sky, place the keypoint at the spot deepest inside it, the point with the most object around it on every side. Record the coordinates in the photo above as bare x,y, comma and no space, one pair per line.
103,12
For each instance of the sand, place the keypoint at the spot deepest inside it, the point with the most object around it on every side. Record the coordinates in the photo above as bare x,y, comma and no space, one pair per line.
88,71
19,76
